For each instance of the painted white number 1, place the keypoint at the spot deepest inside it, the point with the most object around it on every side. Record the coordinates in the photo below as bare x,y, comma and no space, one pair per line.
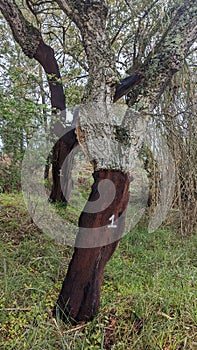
112,222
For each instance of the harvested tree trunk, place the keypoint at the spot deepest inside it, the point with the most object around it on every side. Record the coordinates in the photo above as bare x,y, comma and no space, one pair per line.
45,56
80,295
61,154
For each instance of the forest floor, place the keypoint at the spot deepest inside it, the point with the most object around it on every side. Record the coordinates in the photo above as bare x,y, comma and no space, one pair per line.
149,294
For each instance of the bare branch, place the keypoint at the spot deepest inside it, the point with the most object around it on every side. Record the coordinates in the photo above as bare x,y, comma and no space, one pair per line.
146,12
119,30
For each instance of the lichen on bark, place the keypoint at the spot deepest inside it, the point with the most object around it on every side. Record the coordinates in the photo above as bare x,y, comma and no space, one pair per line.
167,57
107,144
24,33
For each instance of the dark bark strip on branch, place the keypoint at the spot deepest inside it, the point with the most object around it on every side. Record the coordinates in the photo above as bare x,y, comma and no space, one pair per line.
26,35
45,56
167,56
61,151
126,85
30,40
32,44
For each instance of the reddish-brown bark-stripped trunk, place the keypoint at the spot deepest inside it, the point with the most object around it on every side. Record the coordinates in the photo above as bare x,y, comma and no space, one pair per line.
80,295
45,56
61,151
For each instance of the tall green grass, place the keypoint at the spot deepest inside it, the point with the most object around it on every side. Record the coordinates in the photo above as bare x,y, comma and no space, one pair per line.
149,292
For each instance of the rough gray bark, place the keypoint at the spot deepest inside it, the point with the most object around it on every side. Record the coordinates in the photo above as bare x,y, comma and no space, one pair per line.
107,144
90,17
166,58
24,33
147,83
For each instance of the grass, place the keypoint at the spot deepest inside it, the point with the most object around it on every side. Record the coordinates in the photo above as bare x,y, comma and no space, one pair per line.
149,293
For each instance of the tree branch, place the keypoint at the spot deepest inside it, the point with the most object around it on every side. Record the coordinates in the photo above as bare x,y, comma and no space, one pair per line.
30,40
27,36
32,44
90,17
167,57
127,84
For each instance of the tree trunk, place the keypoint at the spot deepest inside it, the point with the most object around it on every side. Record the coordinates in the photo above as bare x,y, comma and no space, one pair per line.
80,295
62,165
61,149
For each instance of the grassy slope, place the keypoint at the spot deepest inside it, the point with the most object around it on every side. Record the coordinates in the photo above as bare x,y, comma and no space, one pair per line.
148,295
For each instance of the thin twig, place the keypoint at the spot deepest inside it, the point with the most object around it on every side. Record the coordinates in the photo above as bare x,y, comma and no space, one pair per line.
15,309
75,329
165,315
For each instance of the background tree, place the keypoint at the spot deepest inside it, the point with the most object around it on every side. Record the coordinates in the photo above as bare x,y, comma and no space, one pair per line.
21,108
158,51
